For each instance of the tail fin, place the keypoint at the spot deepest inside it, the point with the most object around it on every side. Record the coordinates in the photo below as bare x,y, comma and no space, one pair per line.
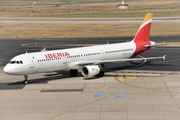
143,33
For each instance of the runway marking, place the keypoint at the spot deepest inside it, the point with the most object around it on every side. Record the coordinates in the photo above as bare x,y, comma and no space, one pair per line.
100,94
81,106
128,76
121,95
140,63
146,73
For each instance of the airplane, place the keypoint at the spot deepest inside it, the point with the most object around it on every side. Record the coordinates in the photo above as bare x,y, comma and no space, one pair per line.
90,60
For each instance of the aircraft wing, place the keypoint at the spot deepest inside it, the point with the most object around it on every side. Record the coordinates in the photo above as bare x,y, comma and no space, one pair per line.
95,62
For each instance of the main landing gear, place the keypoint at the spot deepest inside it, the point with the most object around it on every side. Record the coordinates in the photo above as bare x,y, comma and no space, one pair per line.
73,72
26,79
101,74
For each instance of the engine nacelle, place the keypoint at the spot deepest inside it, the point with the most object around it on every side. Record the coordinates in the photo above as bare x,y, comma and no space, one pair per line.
90,70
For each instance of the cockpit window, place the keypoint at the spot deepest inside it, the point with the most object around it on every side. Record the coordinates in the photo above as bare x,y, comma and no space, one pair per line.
16,62
12,62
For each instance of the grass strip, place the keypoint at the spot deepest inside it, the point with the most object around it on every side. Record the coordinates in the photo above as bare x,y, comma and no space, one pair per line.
27,30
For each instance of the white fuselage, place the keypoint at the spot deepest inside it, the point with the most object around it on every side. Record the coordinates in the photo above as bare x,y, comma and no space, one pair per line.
91,60
55,60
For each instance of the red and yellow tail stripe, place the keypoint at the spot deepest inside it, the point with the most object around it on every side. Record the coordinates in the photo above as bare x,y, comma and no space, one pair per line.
143,33
141,38
147,18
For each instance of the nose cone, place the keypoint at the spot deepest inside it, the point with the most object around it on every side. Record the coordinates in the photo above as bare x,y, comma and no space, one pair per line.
7,69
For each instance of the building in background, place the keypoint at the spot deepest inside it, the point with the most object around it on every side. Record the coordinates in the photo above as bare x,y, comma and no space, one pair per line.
122,6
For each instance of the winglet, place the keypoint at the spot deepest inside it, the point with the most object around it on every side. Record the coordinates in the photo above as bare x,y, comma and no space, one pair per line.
164,57
144,31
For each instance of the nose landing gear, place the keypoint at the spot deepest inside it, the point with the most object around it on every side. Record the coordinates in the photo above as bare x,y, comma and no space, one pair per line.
26,79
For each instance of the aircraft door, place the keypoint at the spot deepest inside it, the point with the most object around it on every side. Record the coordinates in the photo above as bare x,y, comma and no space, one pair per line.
102,54
31,61
64,59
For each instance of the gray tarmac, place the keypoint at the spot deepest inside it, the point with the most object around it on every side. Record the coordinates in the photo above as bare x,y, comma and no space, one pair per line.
130,91
12,47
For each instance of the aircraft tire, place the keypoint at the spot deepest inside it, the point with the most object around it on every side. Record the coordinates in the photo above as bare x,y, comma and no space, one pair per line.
26,79
101,74
73,72
25,82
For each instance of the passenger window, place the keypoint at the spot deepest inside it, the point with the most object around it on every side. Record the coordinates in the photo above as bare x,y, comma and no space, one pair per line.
21,62
17,62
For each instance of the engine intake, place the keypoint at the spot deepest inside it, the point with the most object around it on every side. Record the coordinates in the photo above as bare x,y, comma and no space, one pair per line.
90,70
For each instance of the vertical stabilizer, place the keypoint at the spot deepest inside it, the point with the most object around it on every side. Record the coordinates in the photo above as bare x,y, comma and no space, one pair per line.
141,38
143,33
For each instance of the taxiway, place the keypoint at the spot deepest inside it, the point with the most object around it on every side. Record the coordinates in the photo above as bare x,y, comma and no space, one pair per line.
130,91
85,20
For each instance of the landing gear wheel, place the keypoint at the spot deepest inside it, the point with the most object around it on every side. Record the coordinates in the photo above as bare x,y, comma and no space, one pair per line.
26,79
25,82
101,74
73,72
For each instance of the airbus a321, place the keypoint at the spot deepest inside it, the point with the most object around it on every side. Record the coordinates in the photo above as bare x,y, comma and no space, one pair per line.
91,61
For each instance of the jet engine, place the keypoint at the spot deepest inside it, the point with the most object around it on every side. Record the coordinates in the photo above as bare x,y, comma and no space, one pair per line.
90,70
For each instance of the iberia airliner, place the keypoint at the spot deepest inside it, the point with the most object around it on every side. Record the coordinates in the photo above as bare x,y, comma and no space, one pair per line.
89,60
